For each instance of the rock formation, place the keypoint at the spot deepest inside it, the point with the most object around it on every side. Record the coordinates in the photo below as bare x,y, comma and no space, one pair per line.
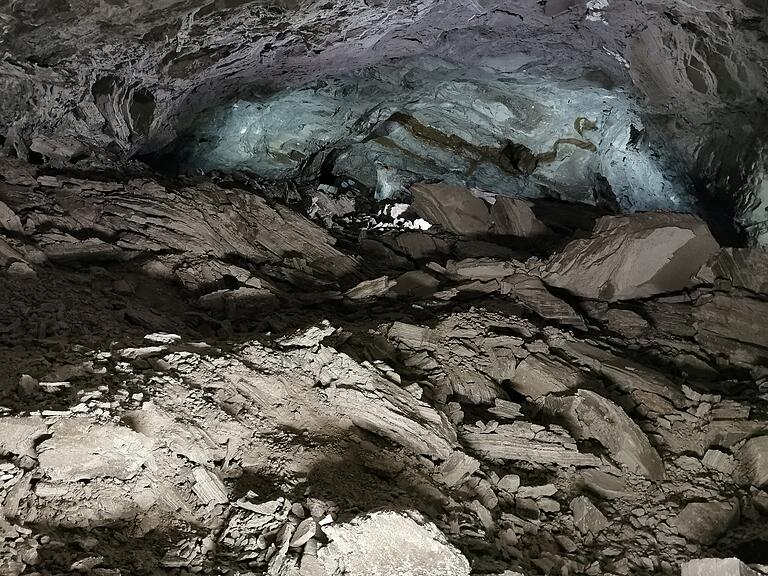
306,288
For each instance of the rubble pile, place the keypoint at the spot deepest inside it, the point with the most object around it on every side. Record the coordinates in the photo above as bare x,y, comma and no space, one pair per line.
196,380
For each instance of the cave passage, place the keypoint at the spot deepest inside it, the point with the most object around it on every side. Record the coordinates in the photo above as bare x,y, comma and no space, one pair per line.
383,288
505,132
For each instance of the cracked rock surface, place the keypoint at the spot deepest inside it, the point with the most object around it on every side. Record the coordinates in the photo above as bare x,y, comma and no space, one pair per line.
377,287
198,378
681,84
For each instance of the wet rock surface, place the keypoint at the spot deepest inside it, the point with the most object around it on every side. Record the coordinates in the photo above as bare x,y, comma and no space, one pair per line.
201,379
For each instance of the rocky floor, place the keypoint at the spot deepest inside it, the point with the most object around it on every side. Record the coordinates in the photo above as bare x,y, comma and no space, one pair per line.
196,379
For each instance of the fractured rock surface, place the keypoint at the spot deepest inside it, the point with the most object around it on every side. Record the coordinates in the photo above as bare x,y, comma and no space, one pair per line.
200,388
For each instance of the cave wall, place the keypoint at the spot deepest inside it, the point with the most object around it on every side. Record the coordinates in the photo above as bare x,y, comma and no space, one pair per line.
127,76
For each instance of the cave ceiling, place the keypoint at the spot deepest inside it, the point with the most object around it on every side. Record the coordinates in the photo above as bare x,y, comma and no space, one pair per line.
130,78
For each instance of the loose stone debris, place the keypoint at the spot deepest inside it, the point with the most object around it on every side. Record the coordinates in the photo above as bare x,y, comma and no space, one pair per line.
189,394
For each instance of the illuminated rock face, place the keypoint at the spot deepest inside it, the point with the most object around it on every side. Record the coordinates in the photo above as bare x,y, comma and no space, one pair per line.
128,77
512,133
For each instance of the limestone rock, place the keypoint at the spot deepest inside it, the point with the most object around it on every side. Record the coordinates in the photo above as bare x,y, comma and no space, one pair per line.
457,468
532,293
743,267
382,407
589,415
185,439
603,484
634,256
720,461
386,543
208,487
515,217
733,325
9,220
369,289
541,374
705,522
626,322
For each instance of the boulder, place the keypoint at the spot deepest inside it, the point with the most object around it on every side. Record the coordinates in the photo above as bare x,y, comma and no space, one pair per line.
603,484
541,374
18,435
633,256
733,325
717,567
83,450
705,522
743,267
386,543
532,293
515,217
752,462
589,415
453,208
